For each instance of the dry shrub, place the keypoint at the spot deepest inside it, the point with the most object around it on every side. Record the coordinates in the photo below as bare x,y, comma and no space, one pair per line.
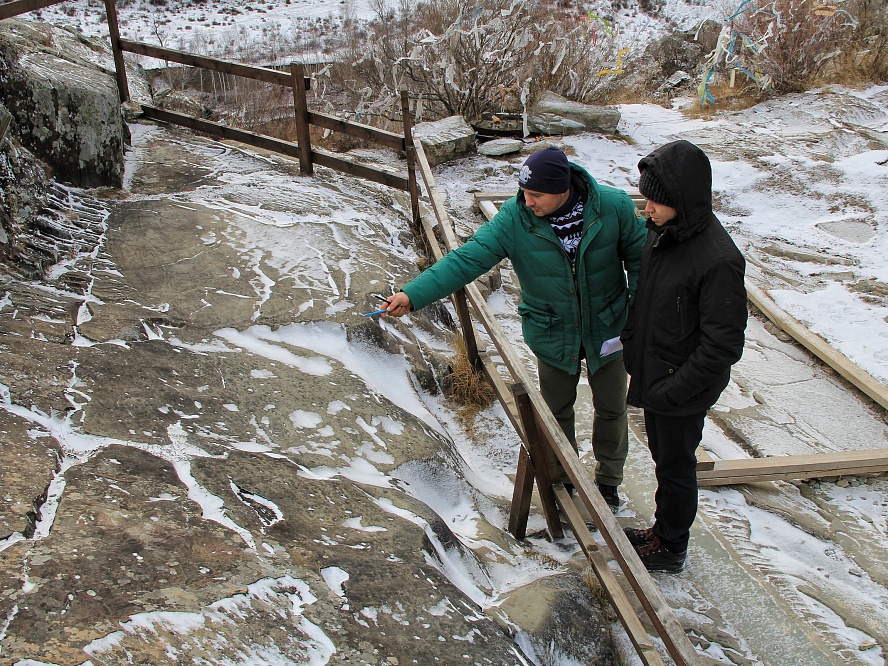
462,57
792,45
467,387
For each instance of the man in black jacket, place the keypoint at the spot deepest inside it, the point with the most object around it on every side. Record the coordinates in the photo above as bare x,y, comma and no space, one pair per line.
685,331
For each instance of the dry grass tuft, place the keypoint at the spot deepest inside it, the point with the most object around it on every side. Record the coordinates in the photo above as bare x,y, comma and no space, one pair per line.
468,389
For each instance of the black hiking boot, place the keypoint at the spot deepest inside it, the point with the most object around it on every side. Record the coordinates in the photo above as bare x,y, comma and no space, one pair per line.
610,495
656,557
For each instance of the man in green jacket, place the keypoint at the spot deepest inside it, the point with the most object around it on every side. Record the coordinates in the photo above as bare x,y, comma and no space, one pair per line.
575,247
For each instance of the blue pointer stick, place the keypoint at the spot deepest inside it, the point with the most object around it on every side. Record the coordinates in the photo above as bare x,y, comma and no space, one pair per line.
370,314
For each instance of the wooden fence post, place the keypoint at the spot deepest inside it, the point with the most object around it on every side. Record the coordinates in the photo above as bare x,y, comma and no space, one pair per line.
119,65
300,106
543,468
411,158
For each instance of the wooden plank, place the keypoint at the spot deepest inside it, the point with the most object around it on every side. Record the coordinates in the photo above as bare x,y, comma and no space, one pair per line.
704,460
488,209
275,145
440,212
660,614
214,64
751,470
818,346
609,583
17,7
492,196
357,130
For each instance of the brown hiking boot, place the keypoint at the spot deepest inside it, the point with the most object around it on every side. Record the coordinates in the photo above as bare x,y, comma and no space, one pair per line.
656,557
638,537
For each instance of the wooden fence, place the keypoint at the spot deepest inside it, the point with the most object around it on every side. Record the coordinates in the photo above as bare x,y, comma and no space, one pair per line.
303,117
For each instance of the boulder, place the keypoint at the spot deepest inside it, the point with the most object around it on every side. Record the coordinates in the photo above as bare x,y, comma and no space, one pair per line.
445,139
554,114
61,91
499,147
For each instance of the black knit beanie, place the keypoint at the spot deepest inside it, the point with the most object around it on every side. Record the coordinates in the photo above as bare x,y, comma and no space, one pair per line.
546,171
651,188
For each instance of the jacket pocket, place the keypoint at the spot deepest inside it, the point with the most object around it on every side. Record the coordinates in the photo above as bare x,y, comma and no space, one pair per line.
615,310
539,317
543,332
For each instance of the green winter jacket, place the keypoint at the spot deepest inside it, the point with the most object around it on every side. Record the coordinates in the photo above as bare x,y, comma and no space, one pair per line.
561,312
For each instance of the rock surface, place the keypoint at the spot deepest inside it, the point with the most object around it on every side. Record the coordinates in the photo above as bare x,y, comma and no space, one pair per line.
61,91
199,464
554,114
445,139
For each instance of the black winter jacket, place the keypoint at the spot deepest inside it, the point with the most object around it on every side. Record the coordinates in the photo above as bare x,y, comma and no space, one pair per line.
686,325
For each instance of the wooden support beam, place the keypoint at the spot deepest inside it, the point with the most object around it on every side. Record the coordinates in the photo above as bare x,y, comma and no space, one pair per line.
300,111
410,153
119,64
213,64
522,495
776,468
17,7
357,130
544,468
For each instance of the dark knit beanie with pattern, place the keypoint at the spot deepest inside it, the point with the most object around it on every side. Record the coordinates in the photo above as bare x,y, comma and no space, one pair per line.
546,171
651,188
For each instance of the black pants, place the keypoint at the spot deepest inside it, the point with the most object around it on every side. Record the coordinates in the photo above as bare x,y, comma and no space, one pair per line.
673,441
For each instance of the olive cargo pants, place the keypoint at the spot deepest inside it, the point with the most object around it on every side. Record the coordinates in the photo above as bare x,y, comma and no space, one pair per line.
610,426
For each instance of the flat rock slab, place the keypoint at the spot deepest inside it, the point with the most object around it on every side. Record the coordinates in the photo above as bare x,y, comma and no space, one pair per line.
499,147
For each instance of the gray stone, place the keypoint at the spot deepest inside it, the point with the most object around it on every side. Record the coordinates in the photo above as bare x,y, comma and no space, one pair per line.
61,91
445,139
130,540
500,147
551,123
589,117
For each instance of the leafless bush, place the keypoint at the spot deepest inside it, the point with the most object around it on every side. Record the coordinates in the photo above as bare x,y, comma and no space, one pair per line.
461,57
790,45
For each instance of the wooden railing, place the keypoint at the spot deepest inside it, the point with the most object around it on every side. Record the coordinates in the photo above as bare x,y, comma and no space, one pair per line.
303,118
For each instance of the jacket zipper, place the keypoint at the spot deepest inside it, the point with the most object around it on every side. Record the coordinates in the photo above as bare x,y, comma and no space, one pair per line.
680,317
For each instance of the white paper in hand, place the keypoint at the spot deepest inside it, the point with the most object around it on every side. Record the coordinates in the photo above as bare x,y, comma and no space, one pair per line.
611,346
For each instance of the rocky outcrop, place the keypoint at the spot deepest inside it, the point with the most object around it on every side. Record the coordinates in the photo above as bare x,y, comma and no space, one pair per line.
554,114
61,91
669,66
232,465
445,139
